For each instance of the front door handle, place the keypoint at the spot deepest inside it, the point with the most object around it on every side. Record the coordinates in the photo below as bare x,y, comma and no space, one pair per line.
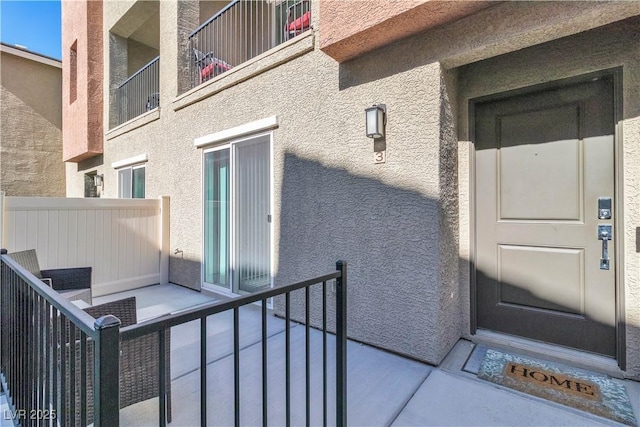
605,233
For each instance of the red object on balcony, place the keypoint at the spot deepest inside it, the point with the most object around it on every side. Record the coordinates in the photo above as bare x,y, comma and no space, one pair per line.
301,23
213,69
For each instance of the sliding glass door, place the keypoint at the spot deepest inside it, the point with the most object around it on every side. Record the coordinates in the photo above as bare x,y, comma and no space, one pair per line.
237,229
216,217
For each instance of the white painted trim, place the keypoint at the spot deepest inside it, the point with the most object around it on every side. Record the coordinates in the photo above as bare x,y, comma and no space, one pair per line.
165,242
130,161
63,203
237,132
272,240
31,56
203,285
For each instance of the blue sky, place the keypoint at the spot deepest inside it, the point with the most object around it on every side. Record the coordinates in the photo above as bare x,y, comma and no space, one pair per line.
34,24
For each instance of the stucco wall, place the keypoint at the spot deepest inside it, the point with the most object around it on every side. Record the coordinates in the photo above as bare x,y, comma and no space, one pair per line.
138,56
351,28
30,128
82,127
397,224
616,45
323,165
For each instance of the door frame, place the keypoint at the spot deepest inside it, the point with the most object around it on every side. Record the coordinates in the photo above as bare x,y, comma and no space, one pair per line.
231,145
617,75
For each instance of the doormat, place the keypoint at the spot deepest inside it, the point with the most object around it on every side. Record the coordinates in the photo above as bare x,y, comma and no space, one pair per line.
583,390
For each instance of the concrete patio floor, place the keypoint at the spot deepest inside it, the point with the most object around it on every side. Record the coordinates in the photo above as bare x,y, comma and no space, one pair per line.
383,389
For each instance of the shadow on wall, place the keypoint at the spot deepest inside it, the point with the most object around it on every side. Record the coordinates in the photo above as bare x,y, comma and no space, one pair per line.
90,163
38,86
390,238
512,309
185,271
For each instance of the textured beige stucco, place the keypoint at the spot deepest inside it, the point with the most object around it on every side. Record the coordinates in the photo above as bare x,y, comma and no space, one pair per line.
139,55
398,224
30,128
320,139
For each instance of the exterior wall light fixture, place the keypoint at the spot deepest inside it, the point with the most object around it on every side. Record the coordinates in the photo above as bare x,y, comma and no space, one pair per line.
97,180
376,120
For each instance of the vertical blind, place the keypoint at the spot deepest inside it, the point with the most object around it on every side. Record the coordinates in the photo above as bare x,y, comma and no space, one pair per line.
253,257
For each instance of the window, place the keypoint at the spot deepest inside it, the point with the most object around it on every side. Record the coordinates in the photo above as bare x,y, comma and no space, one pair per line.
237,220
73,72
131,182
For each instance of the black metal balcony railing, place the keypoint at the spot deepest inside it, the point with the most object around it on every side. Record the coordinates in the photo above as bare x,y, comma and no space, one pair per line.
58,365
140,92
243,30
160,325
39,368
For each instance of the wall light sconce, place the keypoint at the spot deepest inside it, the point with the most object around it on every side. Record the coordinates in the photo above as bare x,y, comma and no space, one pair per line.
98,180
376,120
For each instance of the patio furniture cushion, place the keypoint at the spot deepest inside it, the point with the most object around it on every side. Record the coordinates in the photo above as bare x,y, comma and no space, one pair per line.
215,68
208,65
302,23
73,283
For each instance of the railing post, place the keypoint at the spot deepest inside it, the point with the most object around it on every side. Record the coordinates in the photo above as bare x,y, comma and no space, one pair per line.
107,372
341,345
4,308
2,215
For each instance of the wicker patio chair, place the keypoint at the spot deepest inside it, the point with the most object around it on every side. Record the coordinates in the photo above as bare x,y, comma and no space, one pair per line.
139,363
72,283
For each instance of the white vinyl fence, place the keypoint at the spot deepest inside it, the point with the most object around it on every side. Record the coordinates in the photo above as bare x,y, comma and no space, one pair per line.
125,241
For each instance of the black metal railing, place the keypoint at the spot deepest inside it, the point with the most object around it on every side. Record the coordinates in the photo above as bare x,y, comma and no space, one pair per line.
241,31
58,365
140,92
160,325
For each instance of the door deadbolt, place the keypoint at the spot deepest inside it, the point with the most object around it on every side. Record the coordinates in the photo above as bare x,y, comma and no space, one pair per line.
604,207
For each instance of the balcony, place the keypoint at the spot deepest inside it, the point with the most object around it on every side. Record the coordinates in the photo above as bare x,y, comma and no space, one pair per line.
242,30
133,65
139,93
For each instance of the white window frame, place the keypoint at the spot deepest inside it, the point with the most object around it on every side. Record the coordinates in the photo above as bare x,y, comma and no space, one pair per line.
132,163
230,145
132,168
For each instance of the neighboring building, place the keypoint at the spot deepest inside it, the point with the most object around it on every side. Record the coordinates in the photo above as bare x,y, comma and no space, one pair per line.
30,124
83,67
481,214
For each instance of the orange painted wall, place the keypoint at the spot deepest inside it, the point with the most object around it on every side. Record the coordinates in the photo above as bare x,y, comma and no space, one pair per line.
82,132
